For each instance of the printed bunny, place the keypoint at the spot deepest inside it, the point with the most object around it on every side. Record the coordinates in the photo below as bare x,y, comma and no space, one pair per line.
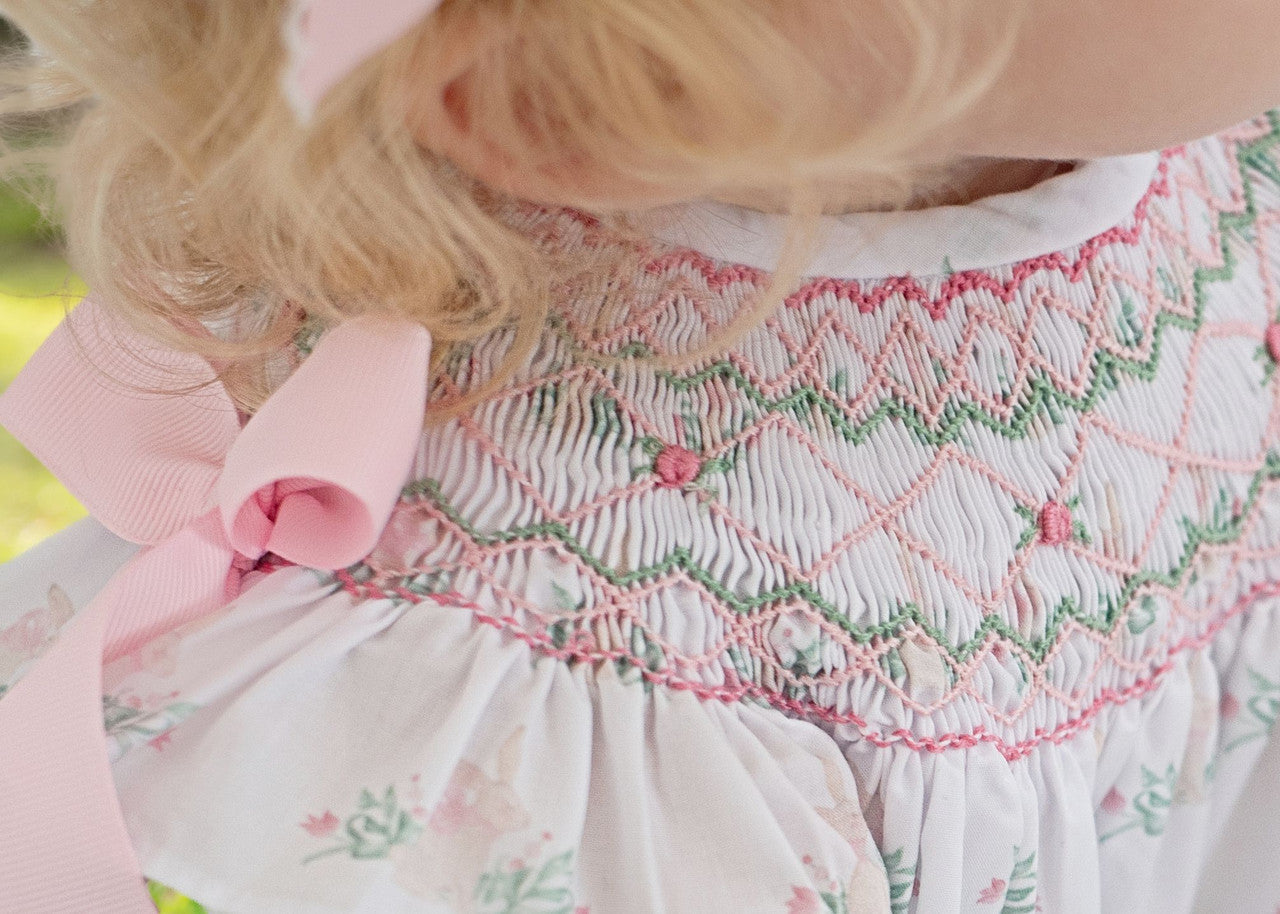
456,847
867,883
158,657
32,633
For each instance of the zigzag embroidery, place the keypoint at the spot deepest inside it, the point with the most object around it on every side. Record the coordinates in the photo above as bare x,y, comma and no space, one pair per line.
1041,392
1145,610
680,566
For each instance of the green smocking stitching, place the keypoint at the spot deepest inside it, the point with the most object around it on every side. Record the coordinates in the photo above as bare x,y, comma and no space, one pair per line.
1255,157
1044,396
1215,532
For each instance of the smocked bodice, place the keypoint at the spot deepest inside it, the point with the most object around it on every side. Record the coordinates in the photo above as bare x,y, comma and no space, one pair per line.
982,504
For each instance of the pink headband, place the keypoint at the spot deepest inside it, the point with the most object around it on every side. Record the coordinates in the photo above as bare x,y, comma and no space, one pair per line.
327,39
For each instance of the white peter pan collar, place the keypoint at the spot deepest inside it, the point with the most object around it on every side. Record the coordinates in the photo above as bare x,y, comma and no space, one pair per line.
1054,215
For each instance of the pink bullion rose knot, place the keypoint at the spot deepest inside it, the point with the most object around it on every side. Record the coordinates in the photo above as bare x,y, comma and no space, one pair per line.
1055,523
677,466
1272,340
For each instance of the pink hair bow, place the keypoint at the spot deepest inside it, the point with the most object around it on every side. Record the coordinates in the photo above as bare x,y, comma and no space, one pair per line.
312,477
327,39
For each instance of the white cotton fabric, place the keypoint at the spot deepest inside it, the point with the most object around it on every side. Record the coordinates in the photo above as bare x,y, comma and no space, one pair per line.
1061,212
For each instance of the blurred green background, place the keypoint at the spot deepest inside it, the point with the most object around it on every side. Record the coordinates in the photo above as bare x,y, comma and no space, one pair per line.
36,289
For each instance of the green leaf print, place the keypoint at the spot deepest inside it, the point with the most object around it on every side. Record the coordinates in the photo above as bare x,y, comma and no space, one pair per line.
1129,331
606,421
521,889
378,826
1020,897
116,715
1169,286
1151,806
1155,800
691,418
128,726
559,632
1263,705
1143,615
902,880
1263,357
833,903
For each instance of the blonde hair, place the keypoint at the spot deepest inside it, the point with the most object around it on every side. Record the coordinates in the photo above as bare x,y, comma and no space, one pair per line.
189,193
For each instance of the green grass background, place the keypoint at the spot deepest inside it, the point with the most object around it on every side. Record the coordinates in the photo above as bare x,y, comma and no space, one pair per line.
36,288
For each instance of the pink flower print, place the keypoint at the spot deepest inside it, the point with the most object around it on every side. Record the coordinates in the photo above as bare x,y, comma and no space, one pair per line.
993,893
803,901
161,741
1055,523
1114,801
1229,707
321,826
677,466
1272,340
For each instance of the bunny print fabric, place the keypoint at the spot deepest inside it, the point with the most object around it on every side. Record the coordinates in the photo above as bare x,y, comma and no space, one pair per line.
950,588
520,794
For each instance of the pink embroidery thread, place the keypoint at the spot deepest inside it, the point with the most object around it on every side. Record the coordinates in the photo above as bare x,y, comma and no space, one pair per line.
677,466
1055,523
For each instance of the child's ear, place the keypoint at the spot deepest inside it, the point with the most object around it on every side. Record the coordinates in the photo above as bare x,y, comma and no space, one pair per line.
454,64
442,78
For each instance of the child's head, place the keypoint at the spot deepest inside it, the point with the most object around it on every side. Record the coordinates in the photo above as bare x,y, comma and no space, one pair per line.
753,98
188,187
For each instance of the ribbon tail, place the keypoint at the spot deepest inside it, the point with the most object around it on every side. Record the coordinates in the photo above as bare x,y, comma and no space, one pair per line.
63,842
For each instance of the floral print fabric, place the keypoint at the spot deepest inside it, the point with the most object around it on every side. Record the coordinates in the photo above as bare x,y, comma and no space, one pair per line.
539,788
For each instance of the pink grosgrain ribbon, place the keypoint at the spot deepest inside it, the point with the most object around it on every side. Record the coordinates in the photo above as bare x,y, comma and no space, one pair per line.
312,477
327,39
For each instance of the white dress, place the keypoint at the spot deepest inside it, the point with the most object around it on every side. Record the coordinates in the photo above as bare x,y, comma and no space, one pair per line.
951,588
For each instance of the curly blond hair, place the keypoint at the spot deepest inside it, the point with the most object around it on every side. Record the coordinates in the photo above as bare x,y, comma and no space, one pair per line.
190,196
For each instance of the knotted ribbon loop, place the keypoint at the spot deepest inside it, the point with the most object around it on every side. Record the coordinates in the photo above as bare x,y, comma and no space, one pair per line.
313,477
328,452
